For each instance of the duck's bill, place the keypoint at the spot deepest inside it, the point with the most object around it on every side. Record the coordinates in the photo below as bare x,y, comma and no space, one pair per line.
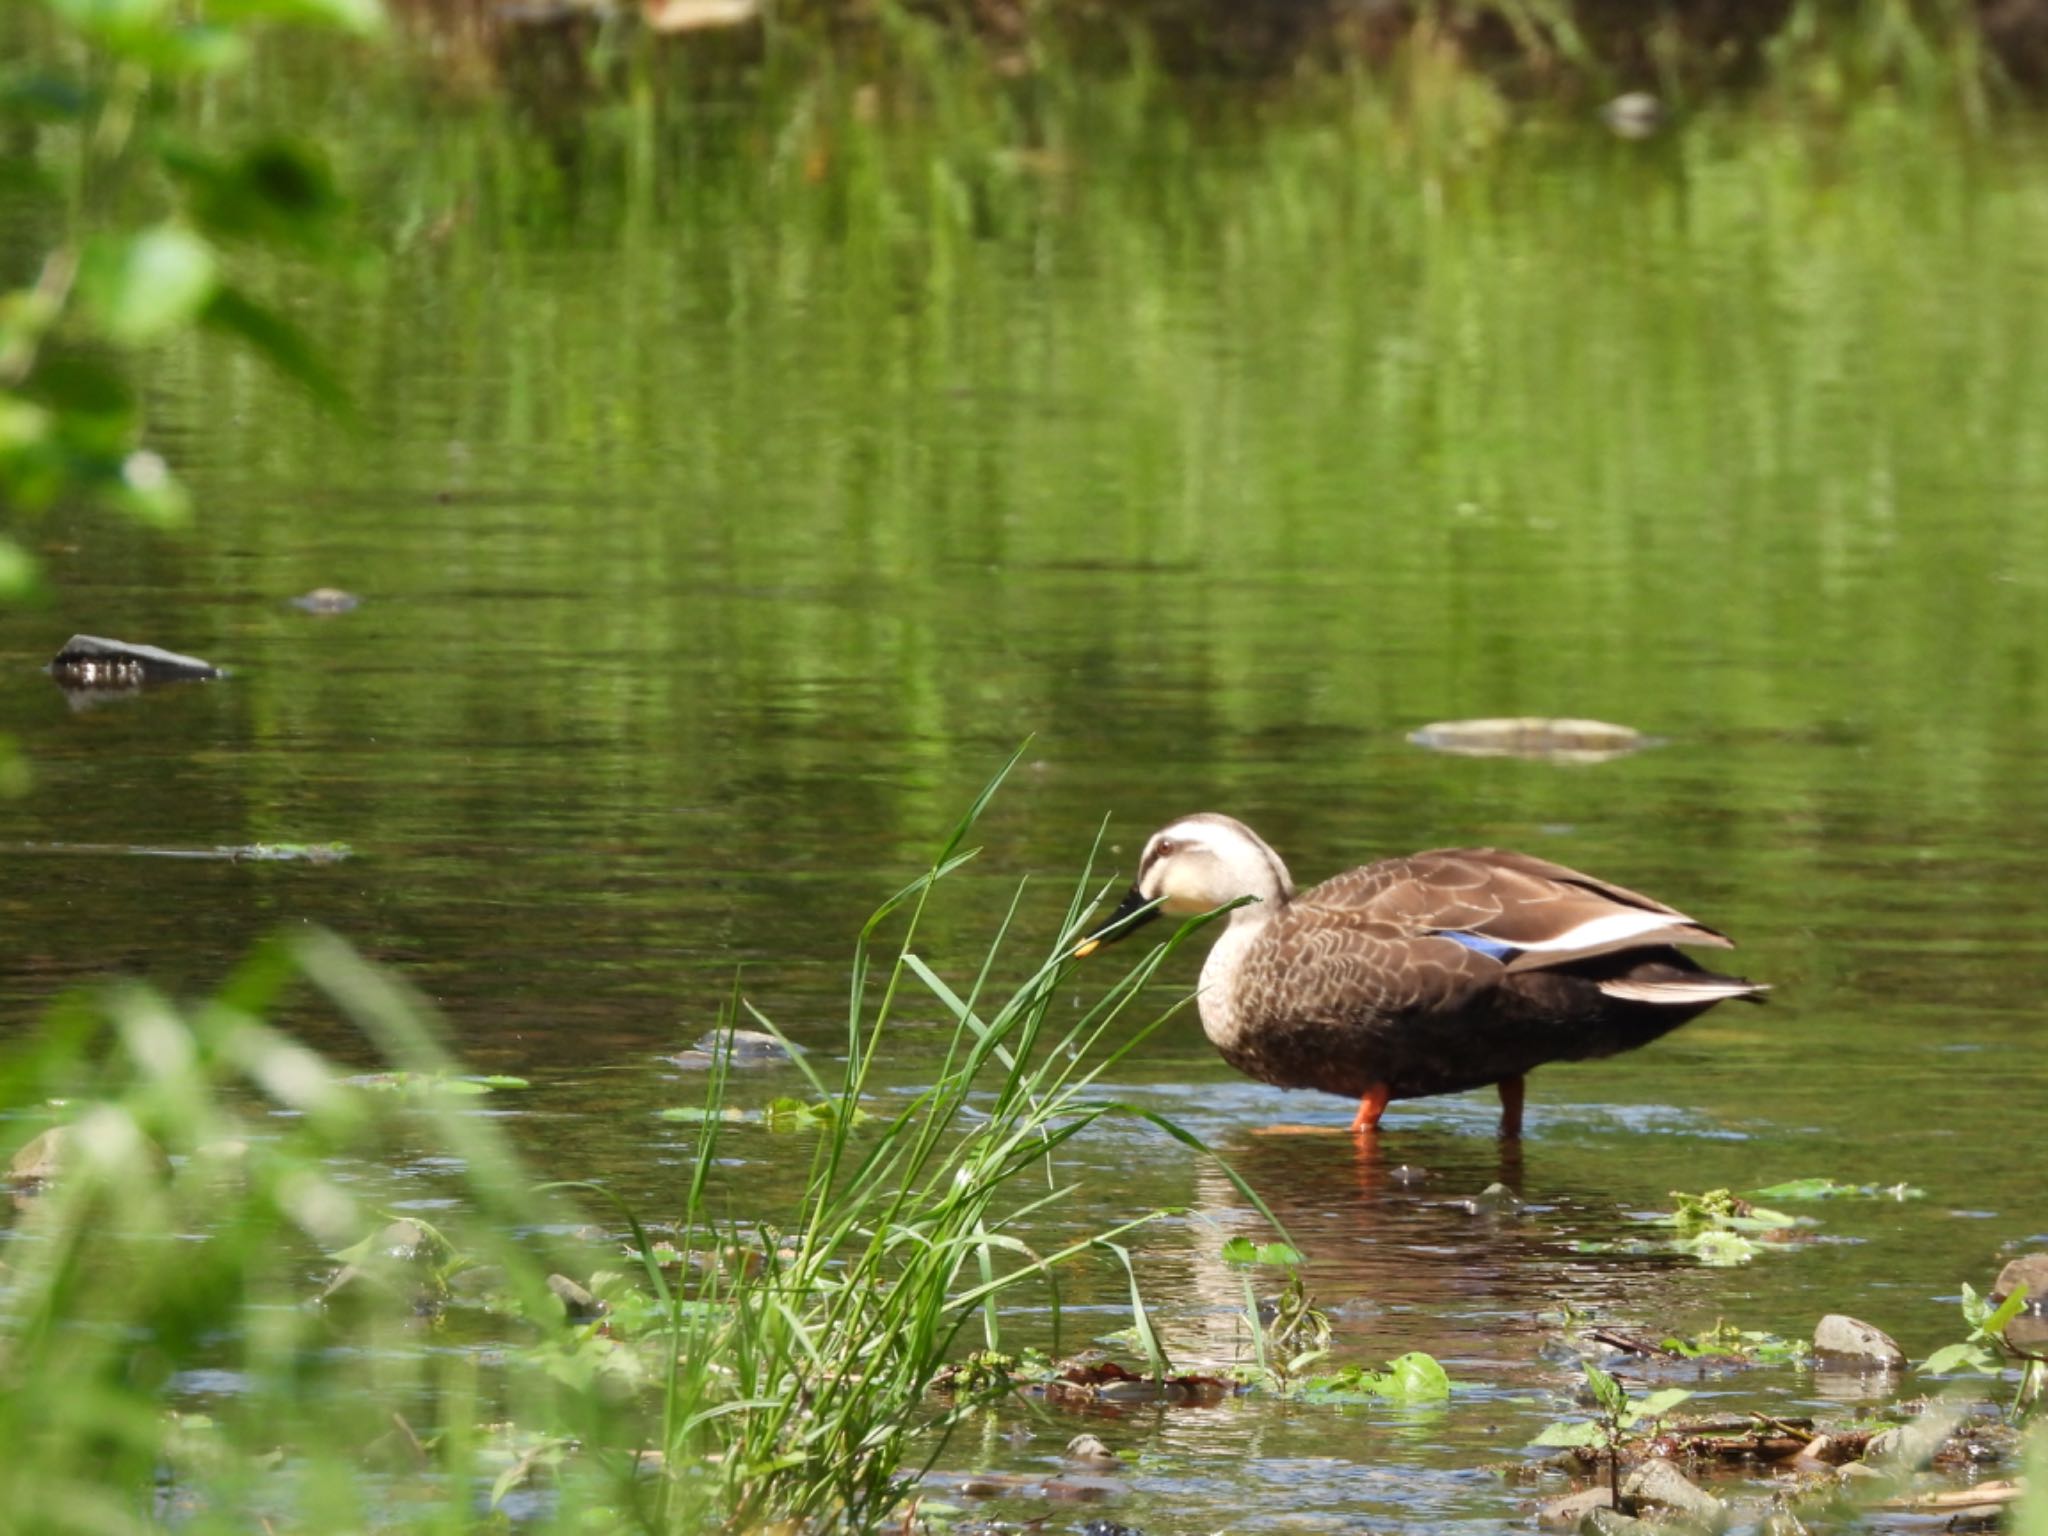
1132,913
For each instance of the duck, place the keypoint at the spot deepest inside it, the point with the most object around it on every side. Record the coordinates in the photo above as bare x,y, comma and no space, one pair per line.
1439,972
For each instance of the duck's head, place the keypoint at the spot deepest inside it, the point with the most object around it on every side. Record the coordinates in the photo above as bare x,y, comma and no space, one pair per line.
1196,865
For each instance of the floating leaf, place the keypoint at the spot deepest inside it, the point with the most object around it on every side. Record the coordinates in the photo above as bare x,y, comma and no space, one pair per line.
1566,1436
420,1084
1411,1378
143,287
1828,1189
1242,1250
1965,1356
1719,1249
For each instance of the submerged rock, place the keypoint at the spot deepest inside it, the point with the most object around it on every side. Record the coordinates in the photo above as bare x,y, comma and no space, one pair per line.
326,600
1840,1341
92,661
749,1048
1603,1520
1533,736
39,1159
1633,115
1659,1485
1088,1449
1568,1510
400,1264
577,1302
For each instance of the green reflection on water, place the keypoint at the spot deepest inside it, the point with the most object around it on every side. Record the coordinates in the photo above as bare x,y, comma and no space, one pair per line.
718,529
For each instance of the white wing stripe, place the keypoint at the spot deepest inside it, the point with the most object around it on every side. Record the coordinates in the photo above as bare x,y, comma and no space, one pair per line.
1611,930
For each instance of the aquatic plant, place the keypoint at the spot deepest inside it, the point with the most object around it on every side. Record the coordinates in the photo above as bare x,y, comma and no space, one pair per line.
905,1235
1620,1415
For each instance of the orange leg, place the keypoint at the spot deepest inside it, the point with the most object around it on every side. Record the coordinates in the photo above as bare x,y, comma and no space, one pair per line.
1511,1108
1367,1121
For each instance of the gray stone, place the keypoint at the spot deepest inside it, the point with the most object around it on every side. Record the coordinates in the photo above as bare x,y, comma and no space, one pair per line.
1659,1485
1603,1521
2030,1270
92,661
1633,115
750,1048
1089,1449
1838,1340
326,600
577,1302
1910,1446
1533,736
1568,1510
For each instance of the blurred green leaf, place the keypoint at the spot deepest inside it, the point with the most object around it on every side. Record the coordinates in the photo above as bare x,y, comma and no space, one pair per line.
76,383
279,191
112,20
146,490
23,424
188,50
14,779
17,572
282,344
362,17
29,96
143,287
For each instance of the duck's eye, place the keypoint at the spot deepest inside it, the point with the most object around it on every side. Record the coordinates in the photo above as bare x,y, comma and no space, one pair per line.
1167,847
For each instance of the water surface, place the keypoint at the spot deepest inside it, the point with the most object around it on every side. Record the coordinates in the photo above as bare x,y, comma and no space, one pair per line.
715,545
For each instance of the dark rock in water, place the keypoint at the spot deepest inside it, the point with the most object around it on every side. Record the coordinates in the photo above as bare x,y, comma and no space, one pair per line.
1841,1341
749,1048
1659,1485
90,661
326,600
1109,1528
581,1306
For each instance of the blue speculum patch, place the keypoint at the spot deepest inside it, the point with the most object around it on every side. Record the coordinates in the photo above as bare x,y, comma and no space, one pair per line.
1493,949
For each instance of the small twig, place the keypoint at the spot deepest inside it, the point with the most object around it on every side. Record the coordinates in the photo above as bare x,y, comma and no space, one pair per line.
1630,1345
1784,1428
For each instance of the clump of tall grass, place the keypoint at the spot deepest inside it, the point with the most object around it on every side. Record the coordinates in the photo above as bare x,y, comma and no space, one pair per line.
911,1230
164,1362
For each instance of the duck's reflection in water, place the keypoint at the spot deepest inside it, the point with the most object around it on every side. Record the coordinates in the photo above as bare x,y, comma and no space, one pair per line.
1429,1240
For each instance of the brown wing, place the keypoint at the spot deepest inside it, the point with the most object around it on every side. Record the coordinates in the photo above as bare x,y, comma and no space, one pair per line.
1546,912
1344,964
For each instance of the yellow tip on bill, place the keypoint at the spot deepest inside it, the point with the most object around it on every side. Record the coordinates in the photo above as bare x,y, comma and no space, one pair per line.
1086,948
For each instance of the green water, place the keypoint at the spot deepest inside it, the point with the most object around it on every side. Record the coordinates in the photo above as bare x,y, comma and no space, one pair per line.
720,529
